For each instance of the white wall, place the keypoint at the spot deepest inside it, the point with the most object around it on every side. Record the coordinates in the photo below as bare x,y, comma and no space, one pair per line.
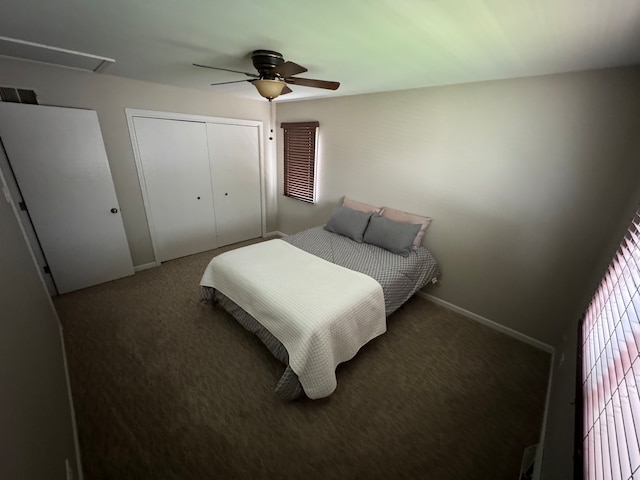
523,178
36,433
109,96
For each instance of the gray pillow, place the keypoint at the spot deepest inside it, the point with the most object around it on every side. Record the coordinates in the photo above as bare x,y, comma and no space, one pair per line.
348,222
397,237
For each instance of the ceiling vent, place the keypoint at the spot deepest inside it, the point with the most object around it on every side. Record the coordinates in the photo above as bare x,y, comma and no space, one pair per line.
18,95
37,52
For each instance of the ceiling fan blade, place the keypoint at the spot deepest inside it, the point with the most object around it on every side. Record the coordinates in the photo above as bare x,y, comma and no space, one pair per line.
234,81
310,82
286,90
289,69
253,75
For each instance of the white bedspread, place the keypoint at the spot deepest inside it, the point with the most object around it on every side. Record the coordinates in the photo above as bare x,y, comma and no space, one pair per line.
321,312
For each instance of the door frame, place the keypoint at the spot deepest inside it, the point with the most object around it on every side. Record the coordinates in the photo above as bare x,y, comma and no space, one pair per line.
131,113
14,197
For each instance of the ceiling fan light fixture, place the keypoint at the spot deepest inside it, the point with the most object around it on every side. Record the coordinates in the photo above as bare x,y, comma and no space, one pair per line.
269,89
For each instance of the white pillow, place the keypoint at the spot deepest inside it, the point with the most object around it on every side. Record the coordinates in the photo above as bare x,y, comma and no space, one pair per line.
359,206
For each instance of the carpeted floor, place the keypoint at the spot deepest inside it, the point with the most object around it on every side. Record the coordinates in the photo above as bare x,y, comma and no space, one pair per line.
168,388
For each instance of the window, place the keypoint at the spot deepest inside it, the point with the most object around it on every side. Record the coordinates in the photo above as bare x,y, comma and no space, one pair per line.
300,160
610,364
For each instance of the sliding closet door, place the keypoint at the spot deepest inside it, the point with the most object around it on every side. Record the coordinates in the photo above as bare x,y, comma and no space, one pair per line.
175,167
60,164
235,176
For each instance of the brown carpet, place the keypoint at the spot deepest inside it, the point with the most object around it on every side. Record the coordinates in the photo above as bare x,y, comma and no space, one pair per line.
168,388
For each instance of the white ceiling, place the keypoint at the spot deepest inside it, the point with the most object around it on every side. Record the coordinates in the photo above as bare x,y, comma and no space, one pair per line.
368,46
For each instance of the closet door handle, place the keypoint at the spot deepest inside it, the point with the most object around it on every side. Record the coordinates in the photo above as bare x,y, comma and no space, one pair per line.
226,194
114,210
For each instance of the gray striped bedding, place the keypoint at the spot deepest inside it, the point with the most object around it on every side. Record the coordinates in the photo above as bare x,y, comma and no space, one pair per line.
400,277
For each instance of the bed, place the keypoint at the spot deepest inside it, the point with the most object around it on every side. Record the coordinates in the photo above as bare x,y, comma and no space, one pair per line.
351,287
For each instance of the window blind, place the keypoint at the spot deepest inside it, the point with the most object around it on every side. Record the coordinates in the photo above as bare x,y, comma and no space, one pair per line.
610,365
300,160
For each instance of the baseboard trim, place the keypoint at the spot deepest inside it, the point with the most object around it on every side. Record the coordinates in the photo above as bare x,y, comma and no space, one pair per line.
74,423
489,323
145,266
275,233
537,468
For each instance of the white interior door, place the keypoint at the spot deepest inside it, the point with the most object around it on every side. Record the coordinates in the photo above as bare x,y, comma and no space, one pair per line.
59,161
235,176
175,166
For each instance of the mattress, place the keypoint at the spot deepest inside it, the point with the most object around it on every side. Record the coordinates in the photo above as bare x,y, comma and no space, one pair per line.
321,312
400,277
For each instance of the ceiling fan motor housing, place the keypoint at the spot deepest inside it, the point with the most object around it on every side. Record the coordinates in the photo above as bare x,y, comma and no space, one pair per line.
265,61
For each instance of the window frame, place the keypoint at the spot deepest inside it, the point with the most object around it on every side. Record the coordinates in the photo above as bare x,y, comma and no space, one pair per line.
300,152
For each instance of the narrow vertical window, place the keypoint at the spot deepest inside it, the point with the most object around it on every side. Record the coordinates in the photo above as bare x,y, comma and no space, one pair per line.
300,142
610,363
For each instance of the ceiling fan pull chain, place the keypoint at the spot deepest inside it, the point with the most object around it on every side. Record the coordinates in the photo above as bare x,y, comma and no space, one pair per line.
272,114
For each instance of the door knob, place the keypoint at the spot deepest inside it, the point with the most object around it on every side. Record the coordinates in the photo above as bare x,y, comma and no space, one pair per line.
226,194
114,210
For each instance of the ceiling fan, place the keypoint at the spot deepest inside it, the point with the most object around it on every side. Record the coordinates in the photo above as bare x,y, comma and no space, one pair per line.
274,73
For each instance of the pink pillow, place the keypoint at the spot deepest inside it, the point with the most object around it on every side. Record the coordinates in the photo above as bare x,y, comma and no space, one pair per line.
404,217
359,206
